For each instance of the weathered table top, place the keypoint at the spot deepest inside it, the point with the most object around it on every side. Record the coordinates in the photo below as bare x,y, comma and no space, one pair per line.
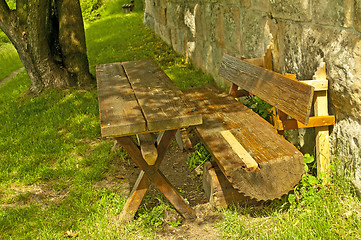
138,97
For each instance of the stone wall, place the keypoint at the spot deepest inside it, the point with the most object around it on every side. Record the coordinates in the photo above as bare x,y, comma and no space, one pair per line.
301,33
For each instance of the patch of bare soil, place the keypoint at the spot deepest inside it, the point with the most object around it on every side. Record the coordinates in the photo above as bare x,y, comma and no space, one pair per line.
175,168
202,228
121,177
40,193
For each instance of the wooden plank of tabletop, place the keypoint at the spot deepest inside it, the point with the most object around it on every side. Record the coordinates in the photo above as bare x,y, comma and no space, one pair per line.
161,101
290,96
119,111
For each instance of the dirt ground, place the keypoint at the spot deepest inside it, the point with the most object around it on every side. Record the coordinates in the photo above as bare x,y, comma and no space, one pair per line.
121,179
189,184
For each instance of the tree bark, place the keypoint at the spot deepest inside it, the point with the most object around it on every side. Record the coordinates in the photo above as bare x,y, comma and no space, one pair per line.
50,40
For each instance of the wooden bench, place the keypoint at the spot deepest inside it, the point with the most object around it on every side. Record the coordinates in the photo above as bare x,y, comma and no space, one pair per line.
137,98
258,162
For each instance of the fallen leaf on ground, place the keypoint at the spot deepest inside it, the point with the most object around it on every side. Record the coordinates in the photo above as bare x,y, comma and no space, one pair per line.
70,234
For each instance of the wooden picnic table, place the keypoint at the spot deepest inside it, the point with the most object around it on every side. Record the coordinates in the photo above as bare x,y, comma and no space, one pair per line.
138,98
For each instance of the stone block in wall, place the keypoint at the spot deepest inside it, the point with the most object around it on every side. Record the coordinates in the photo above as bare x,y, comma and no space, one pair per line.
164,32
261,5
347,136
337,13
181,39
302,47
163,3
148,13
190,20
174,39
236,3
357,15
214,23
244,3
197,56
148,6
297,10
290,54
175,15
163,16
156,14
200,23
232,30
212,55
253,33
149,20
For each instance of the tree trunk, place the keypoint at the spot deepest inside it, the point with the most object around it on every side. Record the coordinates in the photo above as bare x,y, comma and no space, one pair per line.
49,38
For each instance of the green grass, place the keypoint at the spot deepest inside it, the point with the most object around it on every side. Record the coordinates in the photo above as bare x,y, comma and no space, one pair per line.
53,161
313,211
9,61
131,40
52,157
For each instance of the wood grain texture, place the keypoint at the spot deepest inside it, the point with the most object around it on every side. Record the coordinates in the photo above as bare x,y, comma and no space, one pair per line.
320,121
161,101
147,147
157,177
290,96
251,164
219,191
319,85
281,164
268,59
119,111
142,184
322,133
135,198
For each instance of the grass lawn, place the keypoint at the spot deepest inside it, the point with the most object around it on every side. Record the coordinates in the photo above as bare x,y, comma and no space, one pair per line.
9,60
52,141
53,159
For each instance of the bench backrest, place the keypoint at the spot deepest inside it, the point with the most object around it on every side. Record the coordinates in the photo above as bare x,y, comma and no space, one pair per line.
290,96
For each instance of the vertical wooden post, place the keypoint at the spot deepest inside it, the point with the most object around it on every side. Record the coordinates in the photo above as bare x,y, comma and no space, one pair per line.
322,133
267,59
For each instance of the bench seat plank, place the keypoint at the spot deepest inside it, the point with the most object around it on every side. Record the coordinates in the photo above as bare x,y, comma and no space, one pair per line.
114,93
160,100
290,96
280,163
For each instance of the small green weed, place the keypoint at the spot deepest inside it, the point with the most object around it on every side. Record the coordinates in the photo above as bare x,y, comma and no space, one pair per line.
176,223
154,217
309,187
259,106
198,157
312,211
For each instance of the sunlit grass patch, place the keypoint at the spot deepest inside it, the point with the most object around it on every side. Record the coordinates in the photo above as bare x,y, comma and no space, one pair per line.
131,40
320,212
9,60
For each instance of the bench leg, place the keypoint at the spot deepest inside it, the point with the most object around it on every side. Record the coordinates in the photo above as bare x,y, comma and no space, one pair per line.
154,175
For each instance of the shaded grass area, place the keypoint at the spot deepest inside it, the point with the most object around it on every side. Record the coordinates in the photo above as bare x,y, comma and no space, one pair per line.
50,145
52,157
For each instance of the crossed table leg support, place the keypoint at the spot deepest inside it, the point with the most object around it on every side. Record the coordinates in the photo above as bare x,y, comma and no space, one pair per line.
151,173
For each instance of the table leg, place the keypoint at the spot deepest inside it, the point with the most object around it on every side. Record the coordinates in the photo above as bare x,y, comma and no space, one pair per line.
135,198
154,176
